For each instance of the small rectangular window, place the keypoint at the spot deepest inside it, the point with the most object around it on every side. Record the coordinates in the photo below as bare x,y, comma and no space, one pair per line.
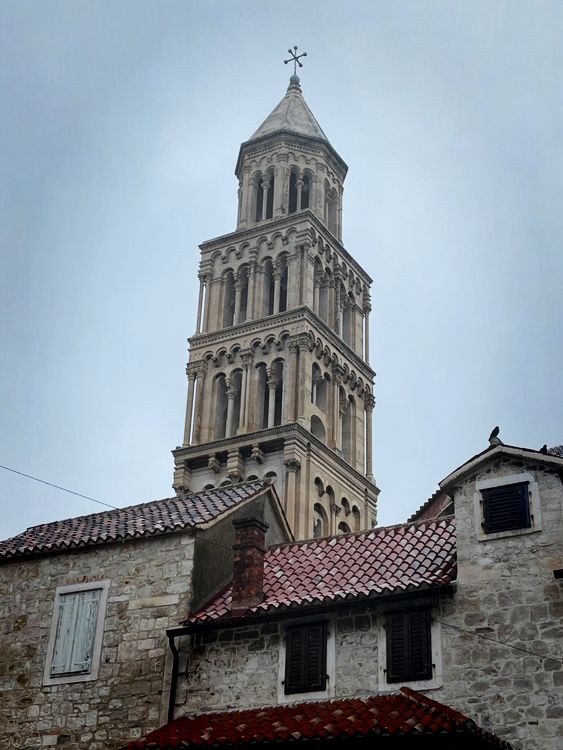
506,507
305,658
408,646
76,630
75,639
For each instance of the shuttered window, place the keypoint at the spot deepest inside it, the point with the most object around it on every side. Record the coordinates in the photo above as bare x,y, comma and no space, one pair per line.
305,658
76,631
408,646
506,507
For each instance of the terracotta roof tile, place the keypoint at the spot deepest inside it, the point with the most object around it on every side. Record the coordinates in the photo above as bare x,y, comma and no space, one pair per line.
145,519
406,713
384,560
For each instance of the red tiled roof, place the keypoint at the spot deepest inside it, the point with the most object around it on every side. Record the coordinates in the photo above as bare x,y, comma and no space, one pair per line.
145,519
385,560
406,713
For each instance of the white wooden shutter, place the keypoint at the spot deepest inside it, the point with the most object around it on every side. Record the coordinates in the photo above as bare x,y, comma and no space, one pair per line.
76,631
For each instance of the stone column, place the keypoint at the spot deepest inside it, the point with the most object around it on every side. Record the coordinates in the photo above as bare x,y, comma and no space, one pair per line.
316,296
338,303
277,279
232,393
245,198
265,187
189,405
238,288
272,385
299,188
337,381
369,402
200,302
246,357
367,310
291,378
292,466
200,381
302,385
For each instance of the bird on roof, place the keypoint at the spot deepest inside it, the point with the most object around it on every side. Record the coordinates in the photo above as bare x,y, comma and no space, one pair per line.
543,449
494,438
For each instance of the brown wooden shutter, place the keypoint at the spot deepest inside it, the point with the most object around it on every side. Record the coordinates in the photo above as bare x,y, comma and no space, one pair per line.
408,646
506,507
305,658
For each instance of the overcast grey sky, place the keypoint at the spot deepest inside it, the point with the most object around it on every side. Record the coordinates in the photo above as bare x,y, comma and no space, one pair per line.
119,130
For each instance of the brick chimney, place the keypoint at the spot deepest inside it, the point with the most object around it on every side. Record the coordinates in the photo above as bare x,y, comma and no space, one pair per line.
248,564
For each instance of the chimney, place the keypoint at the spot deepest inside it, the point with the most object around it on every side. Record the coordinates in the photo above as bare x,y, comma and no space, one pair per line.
248,564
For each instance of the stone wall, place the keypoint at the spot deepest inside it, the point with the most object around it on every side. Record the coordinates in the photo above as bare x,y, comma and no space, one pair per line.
150,584
506,599
506,591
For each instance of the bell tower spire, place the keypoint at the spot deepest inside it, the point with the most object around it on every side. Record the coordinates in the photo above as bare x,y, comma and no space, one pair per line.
279,383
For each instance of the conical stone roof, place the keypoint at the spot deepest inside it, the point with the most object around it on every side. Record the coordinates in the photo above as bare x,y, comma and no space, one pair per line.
292,114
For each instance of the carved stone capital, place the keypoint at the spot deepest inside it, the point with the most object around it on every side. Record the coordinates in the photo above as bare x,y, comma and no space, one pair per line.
292,464
257,454
196,369
214,464
369,401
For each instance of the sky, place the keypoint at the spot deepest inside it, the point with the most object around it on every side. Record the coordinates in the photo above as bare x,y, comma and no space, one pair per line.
120,125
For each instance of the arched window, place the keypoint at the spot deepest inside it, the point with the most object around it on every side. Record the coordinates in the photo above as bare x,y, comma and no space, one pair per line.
318,429
275,395
259,203
348,319
292,192
356,517
345,503
319,484
228,298
268,288
343,528
320,521
322,392
348,412
270,198
306,191
220,403
284,269
234,394
208,487
331,209
242,279
262,394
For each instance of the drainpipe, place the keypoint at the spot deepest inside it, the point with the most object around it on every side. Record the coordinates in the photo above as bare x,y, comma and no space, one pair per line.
174,677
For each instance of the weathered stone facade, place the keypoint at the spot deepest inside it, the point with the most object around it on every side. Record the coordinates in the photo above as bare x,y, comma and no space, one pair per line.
497,630
150,582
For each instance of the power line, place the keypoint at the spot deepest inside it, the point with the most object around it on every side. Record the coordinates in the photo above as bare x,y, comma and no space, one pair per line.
58,487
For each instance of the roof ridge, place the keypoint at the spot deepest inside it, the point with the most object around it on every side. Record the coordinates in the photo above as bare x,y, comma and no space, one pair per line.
375,531
181,498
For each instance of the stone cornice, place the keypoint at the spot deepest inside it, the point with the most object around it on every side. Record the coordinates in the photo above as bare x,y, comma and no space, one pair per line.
295,315
289,137
292,430
259,230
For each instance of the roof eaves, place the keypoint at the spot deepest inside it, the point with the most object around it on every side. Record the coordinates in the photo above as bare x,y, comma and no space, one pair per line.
512,451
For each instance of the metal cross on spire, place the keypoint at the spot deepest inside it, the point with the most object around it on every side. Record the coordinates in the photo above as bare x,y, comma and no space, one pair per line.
295,59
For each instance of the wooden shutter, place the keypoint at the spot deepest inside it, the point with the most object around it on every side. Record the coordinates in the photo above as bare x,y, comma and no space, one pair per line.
305,658
408,646
76,631
506,507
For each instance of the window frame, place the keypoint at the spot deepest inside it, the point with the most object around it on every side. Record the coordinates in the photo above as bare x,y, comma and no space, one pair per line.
92,674
327,621
435,646
534,508
419,617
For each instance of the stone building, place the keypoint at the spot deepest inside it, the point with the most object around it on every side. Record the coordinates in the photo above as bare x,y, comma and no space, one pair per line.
84,608
116,623
279,381
465,610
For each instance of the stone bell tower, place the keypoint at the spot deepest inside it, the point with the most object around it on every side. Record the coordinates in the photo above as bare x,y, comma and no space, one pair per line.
279,383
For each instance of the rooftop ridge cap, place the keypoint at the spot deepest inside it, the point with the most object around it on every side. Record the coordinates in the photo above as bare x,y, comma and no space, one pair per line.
376,531
265,482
